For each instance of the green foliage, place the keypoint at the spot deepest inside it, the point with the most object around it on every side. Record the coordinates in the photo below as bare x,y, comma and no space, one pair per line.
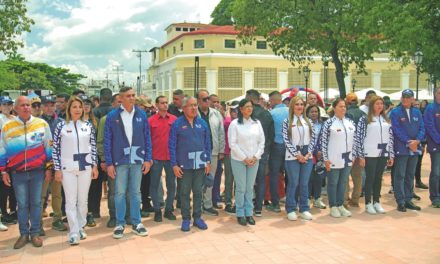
13,21
222,14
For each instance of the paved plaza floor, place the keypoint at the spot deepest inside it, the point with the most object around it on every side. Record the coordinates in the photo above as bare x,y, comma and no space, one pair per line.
411,237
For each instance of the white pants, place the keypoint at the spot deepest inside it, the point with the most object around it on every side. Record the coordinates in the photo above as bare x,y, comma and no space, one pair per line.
76,186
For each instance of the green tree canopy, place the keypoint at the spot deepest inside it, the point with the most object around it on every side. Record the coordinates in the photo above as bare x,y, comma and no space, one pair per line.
222,14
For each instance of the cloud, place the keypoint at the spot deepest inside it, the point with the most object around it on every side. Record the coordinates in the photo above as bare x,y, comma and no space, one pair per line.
89,37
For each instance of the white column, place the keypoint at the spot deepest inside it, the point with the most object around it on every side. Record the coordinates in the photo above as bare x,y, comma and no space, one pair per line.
248,80
282,80
211,79
315,83
179,80
347,81
162,88
170,86
404,80
376,80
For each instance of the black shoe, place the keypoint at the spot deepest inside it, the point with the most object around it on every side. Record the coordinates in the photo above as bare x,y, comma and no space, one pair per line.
158,216
169,215
210,211
421,185
13,215
90,220
8,220
401,208
241,220
250,220
411,206
229,209
148,208
58,225
273,207
65,220
111,223
258,213
217,206
415,196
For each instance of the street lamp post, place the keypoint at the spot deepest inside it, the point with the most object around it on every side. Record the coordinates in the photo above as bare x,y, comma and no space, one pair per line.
353,84
306,72
325,60
418,58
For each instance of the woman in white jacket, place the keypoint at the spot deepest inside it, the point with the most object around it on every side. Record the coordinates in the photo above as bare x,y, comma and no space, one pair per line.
246,140
75,162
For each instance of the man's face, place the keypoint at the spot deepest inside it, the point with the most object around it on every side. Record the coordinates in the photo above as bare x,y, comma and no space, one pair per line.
416,104
407,101
177,100
128,98
6,108
60,103
312,99
162,105
190,109
117,101
215,102
36,108
49,108
23,107
203,100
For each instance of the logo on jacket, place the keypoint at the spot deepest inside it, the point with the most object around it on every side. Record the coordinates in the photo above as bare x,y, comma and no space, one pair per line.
383,149
68,130
415,118
199,158
132,152
138,119
198,126
184,127
84,129
82,162
37,136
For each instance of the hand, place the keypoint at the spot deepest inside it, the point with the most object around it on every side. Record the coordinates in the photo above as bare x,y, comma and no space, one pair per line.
111,171
95,172
413,144
48,175
390,162
146,166
300,158
327,165
207,168
177,171
58,176
362,162
6,179
318,155
103,166
307,157
247,162
221,156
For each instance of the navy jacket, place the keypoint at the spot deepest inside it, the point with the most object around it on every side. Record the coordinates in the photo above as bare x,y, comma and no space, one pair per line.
189,146
117,150
432,125
405,129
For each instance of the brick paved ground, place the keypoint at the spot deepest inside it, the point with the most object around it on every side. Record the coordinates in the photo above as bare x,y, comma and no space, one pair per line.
412,237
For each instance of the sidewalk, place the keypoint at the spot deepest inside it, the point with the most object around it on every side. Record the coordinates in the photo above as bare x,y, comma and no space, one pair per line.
411,237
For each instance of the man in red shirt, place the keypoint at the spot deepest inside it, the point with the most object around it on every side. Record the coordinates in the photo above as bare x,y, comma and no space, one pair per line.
160,125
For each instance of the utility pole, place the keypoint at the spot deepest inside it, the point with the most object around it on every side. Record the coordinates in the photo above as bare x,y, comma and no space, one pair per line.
139,79
118,69
106,79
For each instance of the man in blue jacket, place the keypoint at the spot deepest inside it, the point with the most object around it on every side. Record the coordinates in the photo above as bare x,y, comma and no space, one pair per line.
128,155
409,131
432,124
190,155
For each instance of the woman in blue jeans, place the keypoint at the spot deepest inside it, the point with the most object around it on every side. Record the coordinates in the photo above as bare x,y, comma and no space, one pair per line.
300,140
337,138
246,140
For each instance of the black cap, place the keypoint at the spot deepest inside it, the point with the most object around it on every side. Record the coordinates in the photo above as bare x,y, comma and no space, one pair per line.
84,98
48,99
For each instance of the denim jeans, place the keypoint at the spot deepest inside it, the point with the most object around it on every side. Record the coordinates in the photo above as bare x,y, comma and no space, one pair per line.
192,180
156,175
299,176
434,177
128,177
229,180
27,188
276,162
337,182
207,194
244,187
405,169
217,182
260,182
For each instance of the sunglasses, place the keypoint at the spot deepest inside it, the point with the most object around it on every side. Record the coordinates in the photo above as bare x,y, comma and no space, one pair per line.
35,105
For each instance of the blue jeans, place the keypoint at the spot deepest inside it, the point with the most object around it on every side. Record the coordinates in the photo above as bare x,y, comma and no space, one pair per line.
244,178
27,188
405,169
260,186
156,175
276,162
434,177
298,181
128,176
336,185
217,182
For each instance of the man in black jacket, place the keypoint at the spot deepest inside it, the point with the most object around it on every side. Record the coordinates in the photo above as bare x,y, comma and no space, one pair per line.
105,106
176,107
266,121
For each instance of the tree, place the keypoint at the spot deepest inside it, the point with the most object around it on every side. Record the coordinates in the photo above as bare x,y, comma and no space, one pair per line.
13,21
222,14
348,31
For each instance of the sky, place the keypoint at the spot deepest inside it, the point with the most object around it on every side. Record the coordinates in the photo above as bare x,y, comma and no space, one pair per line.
92,37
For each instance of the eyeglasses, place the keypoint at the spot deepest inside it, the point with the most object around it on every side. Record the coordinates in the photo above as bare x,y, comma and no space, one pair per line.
35,105
206,99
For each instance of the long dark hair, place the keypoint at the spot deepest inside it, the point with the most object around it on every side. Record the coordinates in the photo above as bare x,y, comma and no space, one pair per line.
240,115
309,108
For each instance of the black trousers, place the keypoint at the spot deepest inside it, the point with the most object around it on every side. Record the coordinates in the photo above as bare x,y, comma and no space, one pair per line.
7,194
145,191
374,168
418,175
95,193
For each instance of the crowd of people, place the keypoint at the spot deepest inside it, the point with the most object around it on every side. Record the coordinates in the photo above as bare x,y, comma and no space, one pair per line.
71,146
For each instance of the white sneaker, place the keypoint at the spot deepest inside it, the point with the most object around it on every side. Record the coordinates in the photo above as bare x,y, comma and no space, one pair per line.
306,215
379,209
73,240
334,211
344,212
369,208
3,227
319,204
292,216
82,234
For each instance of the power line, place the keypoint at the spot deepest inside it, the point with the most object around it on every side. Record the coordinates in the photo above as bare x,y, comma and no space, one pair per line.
139,55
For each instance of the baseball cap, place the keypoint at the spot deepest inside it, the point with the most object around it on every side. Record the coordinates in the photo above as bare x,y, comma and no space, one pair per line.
351,97
84,98
5,100
36,100
48,99
407,93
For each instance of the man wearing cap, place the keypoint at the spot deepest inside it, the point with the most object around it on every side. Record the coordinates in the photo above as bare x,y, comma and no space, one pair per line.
409,131
36,107
49,115
354,113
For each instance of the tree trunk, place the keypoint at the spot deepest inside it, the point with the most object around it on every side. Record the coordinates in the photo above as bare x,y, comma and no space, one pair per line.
339,69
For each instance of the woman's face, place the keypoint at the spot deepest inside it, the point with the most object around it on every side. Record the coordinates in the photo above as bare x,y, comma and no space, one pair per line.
246,110
340,109
298,107
87,108
314,113
378,107
76,110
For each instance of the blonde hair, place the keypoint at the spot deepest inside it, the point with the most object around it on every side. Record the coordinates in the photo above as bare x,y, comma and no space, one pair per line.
370,115
292,103
69,105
